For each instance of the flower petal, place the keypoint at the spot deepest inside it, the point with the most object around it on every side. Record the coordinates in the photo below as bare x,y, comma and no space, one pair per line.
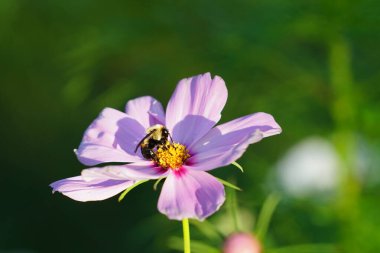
226,143
199,100
190,194
112,137
78,189
146,110
135,171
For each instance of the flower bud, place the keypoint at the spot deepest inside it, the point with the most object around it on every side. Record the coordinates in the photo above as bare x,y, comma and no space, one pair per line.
241,243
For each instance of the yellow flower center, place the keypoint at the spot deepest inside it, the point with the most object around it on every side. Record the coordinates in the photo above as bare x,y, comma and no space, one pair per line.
172,155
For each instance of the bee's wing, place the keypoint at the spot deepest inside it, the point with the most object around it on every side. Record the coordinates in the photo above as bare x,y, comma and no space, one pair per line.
142,140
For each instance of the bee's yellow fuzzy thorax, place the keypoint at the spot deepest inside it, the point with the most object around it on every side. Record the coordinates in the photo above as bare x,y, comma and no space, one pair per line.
172,155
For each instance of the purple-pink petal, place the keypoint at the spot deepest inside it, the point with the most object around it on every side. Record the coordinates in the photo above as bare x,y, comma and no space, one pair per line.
146,110
112,137
135,171
226,143
195,107
78,189
190,194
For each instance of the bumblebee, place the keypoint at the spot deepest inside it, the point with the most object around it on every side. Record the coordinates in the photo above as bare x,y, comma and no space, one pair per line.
156,136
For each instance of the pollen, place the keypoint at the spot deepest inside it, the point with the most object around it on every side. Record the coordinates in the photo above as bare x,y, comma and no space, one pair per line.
172,155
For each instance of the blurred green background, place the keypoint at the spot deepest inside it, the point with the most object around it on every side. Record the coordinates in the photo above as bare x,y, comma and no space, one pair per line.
312,64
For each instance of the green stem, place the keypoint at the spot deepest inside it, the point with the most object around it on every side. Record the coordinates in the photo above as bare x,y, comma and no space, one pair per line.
265,216
186,235
345,115
233,208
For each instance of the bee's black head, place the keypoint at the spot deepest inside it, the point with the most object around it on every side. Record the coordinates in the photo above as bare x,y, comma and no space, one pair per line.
166,134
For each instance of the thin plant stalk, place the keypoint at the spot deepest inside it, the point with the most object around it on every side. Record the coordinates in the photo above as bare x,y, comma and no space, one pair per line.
233,208
186,235
266,213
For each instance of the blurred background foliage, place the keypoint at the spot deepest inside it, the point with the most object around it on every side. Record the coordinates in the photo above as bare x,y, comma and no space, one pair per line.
312,64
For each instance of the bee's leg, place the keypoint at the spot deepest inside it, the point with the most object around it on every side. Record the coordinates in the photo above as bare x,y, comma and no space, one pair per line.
171,139
147,153
163,144
154,157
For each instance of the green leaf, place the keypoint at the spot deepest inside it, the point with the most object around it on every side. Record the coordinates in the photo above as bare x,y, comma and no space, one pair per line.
156,183
238,166
176,243
305,248
229,184
265,216
208,230
200,247
121,197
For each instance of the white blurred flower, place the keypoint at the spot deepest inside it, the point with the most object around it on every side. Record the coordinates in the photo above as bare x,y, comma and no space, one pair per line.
310,167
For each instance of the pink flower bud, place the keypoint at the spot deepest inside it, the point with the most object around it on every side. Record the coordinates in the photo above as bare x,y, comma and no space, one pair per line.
241,243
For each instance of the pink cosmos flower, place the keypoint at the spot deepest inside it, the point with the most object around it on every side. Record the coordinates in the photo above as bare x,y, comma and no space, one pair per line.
198,146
